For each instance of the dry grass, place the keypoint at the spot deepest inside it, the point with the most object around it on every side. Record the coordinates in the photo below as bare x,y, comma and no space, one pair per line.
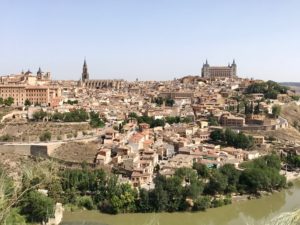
77,152
291,112
31,131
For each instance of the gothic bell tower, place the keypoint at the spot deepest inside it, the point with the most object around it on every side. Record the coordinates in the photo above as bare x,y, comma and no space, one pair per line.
85,73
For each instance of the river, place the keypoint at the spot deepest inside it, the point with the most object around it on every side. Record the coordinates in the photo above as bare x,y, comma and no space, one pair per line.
280,208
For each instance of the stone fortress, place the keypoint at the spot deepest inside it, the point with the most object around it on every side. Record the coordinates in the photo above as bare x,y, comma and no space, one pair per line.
229,71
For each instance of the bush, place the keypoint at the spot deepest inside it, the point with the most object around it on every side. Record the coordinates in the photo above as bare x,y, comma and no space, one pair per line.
227,200
85,202
202,203
232,138
75,134
39,115
46,136
217,203
15,218
37,207
6,138
95,120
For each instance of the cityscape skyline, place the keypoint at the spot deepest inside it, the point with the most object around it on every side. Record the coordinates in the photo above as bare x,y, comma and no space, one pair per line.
160,40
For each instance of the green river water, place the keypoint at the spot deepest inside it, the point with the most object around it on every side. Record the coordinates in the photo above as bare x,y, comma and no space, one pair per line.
282,208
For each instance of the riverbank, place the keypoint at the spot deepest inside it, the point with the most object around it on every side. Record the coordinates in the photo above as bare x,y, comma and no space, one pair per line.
257,211
236,201
291,176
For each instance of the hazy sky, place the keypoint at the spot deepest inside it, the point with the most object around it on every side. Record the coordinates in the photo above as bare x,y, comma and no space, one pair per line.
150,39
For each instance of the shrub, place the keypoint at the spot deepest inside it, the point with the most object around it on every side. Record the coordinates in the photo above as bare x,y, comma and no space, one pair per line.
85,202
46,136
6,138
37,207
217,203
202,203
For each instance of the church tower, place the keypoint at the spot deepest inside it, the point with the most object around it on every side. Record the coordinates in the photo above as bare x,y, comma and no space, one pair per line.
85,73
234,69
205,70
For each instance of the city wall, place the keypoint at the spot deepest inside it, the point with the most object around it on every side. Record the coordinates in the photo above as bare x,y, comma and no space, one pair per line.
43,150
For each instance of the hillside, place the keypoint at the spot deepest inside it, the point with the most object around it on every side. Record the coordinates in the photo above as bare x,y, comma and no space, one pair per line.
291,112
293,85
77,152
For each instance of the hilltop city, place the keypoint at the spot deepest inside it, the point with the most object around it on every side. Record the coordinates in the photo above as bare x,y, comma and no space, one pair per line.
148,134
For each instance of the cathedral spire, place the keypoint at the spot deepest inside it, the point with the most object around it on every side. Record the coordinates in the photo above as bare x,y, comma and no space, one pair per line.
85,73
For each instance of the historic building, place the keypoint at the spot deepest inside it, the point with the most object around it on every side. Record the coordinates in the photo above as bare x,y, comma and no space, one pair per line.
27,78
43,95
36,88
99,84
219,71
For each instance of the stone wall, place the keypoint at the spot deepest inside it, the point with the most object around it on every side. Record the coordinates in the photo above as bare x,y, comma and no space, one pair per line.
43,150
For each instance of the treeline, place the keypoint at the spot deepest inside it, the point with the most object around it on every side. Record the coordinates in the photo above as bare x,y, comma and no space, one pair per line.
293,160
262,174
95,189
71,102
232,138
159,122
77,115
270,89
7,101
189,189
195,189
159,101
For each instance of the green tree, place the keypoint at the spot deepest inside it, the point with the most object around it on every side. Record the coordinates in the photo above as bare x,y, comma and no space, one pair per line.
9,101
95,120
37,207
85,202
39,115
230,136
212,121
257,108
27,102
217,135
276,109
169,102
57,116
144,204
159,101
202,170
217,183
132,115
232,175
202,203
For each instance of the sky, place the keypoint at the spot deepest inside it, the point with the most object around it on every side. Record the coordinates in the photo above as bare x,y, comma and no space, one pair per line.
150,39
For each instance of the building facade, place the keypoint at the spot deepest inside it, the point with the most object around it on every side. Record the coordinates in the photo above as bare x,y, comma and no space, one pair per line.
229,71
35,88
42,95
